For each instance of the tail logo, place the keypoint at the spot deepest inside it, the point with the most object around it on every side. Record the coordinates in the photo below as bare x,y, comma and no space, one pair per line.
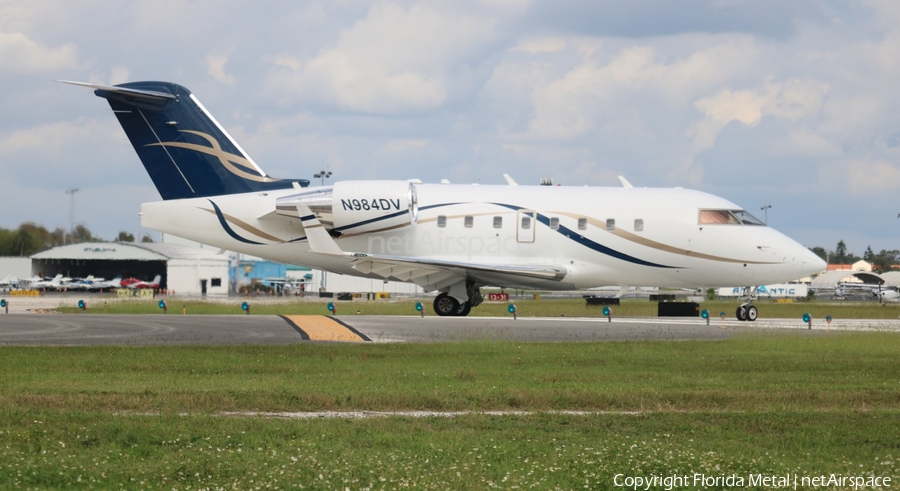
229,160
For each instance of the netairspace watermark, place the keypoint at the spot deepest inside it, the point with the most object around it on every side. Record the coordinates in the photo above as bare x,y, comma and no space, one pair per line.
770,481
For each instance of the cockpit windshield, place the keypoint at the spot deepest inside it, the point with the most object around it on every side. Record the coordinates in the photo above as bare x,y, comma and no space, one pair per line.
728,217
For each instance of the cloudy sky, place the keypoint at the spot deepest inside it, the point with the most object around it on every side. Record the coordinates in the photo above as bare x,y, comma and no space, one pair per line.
793,104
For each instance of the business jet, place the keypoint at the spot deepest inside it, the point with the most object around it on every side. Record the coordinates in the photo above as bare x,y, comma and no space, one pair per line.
453,239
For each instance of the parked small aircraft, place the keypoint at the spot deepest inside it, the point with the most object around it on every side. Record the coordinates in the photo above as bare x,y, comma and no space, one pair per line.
36,283
136,283
9,283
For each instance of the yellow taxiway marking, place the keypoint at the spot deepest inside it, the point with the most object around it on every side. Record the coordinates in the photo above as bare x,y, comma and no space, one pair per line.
324,328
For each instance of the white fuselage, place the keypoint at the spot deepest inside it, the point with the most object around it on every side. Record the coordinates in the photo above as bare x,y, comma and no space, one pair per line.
657,238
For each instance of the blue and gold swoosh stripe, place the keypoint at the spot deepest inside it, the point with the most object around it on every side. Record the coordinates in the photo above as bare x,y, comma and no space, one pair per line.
590,244
228,229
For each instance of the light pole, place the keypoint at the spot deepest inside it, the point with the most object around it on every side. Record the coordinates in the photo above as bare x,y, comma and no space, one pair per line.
323,174
71,192
765,209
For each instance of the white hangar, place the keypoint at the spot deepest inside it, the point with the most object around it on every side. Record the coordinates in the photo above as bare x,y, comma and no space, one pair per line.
184,269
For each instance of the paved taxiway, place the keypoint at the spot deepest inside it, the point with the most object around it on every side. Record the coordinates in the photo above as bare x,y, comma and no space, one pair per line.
88,329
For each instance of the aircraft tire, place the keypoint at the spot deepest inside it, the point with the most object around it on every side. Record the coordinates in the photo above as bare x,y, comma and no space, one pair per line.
464,309
752,313
741,314
445,305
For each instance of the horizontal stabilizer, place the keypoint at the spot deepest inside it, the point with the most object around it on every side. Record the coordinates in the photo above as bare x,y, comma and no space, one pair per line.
134,93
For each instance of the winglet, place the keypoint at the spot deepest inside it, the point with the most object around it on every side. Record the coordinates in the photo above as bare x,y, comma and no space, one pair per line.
509,180
319,240
625,183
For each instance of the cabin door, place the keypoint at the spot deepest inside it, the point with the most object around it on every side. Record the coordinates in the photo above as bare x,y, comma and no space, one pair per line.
525,226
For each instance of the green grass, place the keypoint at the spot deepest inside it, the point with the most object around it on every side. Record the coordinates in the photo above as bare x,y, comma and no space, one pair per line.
63,450
785,372
146,417
575,307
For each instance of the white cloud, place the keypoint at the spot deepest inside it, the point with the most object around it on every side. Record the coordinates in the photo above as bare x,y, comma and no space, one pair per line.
22,55
726,106
286,61
571,105
853,115
46,138
119,75
540,45
395,146
793,99
215,67
796,99
867,176
395,60
806,142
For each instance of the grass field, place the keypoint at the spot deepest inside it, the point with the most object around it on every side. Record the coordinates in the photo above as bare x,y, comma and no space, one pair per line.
527,307
148,417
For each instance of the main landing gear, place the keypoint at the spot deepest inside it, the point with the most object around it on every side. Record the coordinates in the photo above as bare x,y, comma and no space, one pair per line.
445,305
448,304
747,311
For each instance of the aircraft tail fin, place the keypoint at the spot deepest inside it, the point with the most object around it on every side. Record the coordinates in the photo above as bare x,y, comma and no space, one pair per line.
156,280
187,153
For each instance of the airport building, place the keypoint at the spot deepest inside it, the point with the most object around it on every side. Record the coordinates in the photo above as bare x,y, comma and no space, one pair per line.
182,269
18,267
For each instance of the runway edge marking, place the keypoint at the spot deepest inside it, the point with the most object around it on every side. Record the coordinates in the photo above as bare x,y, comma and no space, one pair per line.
348,326
291,323
324,328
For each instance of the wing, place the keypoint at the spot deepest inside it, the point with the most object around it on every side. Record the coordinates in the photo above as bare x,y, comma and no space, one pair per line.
430,274
433,274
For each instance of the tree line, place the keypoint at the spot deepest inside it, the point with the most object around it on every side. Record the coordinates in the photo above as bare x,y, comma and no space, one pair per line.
31,238
881,262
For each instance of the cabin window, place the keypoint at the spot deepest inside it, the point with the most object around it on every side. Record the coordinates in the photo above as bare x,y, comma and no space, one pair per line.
498,222
554,223
442,221
610,224
639,225
582,224
526,223
469,221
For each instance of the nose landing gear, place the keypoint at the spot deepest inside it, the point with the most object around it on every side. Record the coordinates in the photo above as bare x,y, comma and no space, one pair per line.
747,311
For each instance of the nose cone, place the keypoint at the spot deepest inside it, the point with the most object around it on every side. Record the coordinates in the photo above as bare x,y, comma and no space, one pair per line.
810,263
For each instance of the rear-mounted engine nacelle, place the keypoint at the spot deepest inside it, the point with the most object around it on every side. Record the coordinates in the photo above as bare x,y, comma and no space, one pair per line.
358,206
368,206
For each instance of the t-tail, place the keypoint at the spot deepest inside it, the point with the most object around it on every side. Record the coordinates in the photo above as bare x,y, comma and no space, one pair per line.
187,153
